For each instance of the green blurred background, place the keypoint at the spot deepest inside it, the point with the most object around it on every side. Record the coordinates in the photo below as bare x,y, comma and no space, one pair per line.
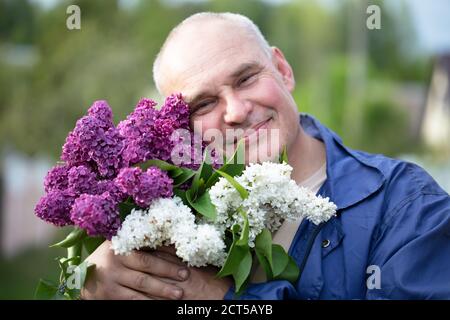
384,91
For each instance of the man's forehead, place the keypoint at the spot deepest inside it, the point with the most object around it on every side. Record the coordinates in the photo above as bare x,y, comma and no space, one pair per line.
199,57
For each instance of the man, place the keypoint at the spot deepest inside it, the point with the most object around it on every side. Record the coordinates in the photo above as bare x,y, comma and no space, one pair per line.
391,236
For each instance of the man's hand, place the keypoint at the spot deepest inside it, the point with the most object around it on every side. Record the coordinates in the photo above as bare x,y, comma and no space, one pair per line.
203,284
141,275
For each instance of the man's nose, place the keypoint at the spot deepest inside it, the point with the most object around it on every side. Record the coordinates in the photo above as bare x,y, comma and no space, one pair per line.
236,110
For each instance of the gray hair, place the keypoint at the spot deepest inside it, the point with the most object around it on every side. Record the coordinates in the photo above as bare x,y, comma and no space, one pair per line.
242,21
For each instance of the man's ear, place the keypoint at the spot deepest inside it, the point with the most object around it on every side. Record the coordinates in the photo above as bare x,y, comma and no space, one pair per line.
284,68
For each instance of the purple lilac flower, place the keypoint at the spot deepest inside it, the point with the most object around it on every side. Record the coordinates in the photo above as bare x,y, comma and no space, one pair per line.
97,214
146,186
72,151
82,180
128,180
112,188
137,132
56,178
107,154
55,207
90,144
148,132
162,145
140,121
174,115
102,112
154,183
176,110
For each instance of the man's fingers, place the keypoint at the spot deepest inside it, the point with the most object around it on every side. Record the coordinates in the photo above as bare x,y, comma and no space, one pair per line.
124,293
168,249
150,286
169,257
150,263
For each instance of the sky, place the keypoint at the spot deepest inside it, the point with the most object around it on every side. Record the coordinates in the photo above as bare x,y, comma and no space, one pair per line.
432,22
431,19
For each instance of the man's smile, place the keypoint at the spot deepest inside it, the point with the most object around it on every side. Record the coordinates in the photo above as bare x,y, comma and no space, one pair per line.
256,128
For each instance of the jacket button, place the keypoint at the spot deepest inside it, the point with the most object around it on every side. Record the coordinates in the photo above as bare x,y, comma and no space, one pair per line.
325,243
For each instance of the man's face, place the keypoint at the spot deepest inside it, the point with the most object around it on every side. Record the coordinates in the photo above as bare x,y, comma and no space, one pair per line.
233,88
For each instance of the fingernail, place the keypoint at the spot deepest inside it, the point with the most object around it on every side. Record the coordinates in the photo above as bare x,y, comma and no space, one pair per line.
183,274
177,293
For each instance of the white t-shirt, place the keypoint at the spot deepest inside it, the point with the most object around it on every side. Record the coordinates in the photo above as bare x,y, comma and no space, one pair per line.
288,229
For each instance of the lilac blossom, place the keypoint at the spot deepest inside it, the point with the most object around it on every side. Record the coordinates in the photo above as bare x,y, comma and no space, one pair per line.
56,178
144,186
82,180
97,214
114,191
90,144
54,207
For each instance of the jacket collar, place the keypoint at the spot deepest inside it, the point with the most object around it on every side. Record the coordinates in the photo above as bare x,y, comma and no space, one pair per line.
352,176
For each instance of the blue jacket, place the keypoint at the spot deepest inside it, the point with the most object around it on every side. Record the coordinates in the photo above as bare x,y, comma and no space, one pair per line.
389,240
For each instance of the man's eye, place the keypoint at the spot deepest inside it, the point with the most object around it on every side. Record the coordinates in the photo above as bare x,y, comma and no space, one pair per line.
203,106
246,79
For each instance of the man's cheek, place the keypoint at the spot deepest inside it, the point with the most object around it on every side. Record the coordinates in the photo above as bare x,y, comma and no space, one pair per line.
268,93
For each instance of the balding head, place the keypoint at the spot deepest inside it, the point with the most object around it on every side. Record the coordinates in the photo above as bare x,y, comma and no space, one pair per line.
191,35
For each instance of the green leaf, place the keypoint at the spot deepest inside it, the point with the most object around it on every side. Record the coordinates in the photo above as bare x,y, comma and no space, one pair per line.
284,156
72,238
125,209
176,173
238,265
232,167
92,243
203,205
185,176
243,270
163,165
203,174
265,264
47,290
280,259
235,256
242,192
263,245
243,240
192,192
290,273
238,156
235,230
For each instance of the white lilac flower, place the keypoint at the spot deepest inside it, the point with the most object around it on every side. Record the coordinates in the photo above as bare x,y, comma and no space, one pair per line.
151,227
169,221
137,231
202,246
273,197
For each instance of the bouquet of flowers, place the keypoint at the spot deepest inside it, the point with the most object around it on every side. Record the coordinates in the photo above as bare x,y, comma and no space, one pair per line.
150,181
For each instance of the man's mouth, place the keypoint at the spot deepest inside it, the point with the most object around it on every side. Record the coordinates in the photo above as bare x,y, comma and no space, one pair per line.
253,130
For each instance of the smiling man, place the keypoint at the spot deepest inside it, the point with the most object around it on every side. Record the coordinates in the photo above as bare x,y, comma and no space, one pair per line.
393,220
